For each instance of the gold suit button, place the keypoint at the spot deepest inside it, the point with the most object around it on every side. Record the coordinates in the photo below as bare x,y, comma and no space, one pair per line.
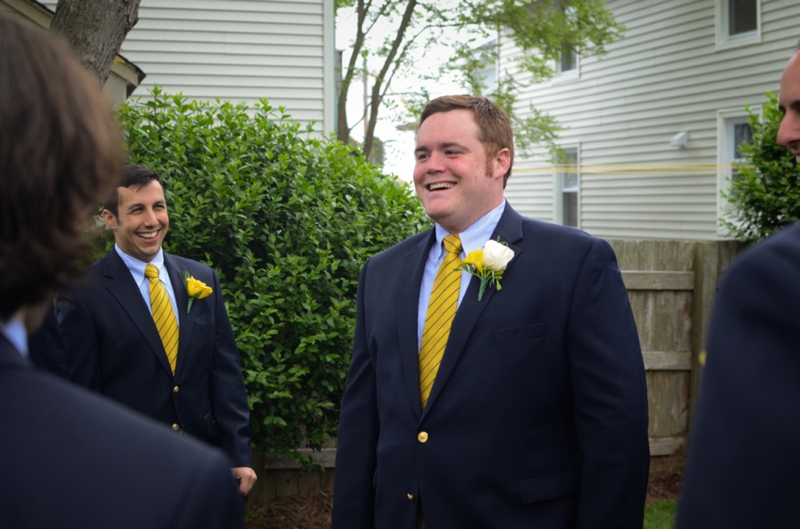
176,389
410,497
422,437
176,427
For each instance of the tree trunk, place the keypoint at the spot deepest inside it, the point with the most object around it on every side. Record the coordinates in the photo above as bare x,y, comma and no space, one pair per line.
95,30
377,98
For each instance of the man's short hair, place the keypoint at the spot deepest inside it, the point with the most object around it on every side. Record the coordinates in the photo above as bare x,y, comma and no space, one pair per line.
60,154
133,176
496,132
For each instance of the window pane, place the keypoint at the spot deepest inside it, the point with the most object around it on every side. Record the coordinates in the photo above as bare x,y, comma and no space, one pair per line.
569,175
742,133
569,59
742,16
570,209
569,181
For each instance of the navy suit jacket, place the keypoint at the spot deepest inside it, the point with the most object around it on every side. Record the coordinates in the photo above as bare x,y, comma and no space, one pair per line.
743,469
114,348
538,414
71,459
46,348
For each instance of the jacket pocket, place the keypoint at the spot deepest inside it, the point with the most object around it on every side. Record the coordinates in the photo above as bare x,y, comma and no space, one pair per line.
550,487
519,334
211,429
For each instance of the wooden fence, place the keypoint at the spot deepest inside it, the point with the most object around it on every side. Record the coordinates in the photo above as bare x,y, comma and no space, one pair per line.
671,285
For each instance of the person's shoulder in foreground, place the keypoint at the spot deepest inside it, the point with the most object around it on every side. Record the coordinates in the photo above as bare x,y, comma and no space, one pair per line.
72,459
743,469
743,461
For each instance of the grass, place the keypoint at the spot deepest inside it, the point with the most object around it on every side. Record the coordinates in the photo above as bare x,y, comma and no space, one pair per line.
660,515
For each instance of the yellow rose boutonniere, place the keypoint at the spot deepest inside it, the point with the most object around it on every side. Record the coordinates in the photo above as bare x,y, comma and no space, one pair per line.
196,289
488,264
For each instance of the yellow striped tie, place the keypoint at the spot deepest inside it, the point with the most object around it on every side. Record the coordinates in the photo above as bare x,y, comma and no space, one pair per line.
163,315
441,311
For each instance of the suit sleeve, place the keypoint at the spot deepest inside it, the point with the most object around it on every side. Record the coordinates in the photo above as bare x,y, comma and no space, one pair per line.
743,463
610,396
78,332
211,500
354,493
46,347
227,391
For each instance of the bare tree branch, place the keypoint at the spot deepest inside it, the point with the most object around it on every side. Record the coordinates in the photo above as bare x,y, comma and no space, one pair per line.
376,88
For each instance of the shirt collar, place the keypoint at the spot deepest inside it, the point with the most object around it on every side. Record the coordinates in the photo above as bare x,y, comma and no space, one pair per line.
137,267
474,237
14,330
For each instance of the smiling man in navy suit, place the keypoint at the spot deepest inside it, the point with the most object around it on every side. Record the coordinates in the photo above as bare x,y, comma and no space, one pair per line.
132,334
514,408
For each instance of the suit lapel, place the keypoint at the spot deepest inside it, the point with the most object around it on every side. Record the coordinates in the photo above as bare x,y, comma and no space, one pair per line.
509,230
406,317
119,282
182,299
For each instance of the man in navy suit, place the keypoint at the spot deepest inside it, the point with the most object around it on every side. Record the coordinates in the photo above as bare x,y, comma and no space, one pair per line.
743,469
70,458
114,344
536,412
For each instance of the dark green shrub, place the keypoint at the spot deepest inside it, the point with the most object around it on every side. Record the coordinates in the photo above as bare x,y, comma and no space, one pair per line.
287,220
766,196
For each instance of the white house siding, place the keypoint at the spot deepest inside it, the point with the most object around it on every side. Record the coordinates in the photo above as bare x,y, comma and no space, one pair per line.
240,50
664,77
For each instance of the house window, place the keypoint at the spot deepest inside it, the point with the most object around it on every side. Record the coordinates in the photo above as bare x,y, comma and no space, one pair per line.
739,133
568,190
568,61
742,16
738,22
733,131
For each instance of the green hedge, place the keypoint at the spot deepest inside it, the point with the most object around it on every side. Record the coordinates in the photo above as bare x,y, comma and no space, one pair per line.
766,195
287,219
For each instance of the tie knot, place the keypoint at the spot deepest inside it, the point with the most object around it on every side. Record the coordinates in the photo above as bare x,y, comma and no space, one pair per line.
452,244
151,272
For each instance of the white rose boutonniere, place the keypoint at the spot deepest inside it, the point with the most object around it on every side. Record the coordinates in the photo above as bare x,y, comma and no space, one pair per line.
488,264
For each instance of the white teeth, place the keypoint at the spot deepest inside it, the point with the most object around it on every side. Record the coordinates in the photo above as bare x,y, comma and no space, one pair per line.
441,185
148,235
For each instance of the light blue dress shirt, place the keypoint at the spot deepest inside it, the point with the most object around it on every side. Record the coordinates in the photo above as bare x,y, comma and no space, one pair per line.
136,268
473,238
14,330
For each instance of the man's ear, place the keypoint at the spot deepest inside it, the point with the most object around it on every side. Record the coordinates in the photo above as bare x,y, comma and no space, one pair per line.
501,163
110,219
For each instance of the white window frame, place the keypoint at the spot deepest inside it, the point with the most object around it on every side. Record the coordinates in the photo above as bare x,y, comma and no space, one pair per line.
567,75
725,152
724,39
558,189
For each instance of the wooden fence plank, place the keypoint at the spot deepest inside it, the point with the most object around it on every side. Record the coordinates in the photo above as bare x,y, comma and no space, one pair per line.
658,280
668,402
667,360
664,446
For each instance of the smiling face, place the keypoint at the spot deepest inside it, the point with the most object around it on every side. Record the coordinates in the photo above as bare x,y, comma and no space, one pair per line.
789,131
142,222
455,180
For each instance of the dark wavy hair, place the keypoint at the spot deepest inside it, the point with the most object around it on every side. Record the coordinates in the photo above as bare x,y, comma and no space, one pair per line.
60,155
134,177
495,127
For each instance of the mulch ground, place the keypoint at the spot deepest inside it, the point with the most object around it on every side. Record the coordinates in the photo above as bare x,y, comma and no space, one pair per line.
313,510
666,477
